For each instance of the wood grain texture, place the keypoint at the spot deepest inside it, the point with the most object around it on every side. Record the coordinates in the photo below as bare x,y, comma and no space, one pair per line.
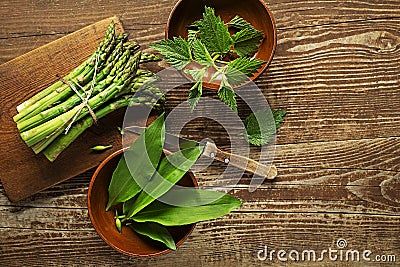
337,74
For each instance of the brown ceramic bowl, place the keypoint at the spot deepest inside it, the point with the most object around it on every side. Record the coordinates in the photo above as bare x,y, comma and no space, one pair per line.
255,12
129,242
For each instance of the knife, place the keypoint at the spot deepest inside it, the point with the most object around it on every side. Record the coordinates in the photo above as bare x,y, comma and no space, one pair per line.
212,151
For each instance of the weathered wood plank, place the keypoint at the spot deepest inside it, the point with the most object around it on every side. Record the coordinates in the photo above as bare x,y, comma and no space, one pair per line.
305,190
338,81
25,17
236,238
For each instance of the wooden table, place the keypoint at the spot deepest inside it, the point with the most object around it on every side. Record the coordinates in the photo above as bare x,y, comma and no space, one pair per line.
337,73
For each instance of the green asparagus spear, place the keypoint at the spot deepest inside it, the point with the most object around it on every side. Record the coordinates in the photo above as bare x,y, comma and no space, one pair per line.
73,74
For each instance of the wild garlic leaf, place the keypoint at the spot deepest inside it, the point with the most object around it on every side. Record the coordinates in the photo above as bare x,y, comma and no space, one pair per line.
226,94
133,167
214,33
201,54
260,130
246,41
176,52
171,169
187,214
154,231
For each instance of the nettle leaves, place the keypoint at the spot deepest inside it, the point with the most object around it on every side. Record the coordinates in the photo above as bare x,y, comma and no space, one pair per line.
259,129
143,176
210,44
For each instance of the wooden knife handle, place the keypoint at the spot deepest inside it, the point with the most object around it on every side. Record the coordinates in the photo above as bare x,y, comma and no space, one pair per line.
243,163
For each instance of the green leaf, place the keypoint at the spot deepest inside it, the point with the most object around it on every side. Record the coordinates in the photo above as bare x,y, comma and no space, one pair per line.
181,215
139,167
197,89
171,169
176,52
259,128
196,74
194,94
154,231
201,54
192,36
239,23
246,41
227,95
214,33
195,25
246,65
239,70
279,116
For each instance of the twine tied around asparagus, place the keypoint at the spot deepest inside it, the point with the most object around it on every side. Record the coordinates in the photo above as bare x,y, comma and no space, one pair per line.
84,99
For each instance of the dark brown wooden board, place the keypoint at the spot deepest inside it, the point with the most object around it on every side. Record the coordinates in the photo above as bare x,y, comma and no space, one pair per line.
28,74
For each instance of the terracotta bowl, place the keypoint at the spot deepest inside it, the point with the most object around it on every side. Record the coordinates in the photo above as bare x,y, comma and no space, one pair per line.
255,12
128,242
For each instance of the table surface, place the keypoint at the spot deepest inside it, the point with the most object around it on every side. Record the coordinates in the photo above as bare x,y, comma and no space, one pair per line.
336,71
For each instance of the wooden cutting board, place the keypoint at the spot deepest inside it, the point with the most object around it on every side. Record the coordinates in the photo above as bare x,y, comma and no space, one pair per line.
23,173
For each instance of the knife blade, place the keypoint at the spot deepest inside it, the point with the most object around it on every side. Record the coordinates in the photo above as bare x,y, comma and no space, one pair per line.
212,151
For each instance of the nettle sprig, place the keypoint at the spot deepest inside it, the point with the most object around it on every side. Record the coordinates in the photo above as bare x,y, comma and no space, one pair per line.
210,44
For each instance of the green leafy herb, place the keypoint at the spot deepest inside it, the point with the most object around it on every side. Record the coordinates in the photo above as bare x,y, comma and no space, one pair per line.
123,185
176,52
227,94
196,24
155,231
209,44
246,41
171,169
213,33
239,23
201,53
101,148
259,129
141,209
180,215
238,70
192,36
246,65
197,89
195,94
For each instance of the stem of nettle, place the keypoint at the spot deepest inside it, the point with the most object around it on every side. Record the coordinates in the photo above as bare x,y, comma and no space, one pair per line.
223,62
216,57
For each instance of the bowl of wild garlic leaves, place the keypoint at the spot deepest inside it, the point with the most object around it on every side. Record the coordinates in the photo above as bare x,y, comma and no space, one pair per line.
219,44
143,201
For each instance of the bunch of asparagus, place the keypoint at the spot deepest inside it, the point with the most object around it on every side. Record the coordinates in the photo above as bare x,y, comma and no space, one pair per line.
108,80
